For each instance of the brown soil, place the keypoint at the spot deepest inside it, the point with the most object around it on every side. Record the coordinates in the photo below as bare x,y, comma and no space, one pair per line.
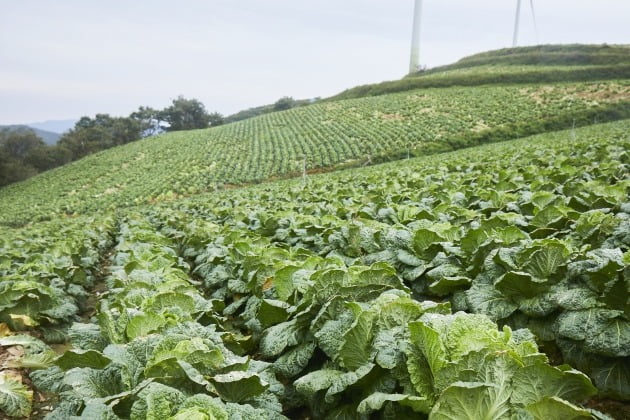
616,409
606,93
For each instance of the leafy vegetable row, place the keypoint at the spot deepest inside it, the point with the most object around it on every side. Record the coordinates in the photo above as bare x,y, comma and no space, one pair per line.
48,270
313,336
533,236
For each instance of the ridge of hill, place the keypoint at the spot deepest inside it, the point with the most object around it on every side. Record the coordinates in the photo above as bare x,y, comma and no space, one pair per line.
542,55
55,126
521,65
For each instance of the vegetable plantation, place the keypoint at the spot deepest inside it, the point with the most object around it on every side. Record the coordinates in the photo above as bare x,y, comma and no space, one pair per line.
318,137
486,283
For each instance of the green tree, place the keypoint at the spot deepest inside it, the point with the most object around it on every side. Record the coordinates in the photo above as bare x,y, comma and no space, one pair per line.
286,102
150,120
13,171
185,114
216,119
91,135
17,143
48,157
15,146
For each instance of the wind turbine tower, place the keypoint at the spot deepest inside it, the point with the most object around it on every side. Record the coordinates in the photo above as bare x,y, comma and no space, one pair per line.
518,18
414,62
516,21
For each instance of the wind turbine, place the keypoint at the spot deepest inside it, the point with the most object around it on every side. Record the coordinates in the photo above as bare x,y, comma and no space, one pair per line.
414,62
518,18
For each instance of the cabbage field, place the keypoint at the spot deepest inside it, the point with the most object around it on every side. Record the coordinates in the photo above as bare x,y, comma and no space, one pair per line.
322,136
486,283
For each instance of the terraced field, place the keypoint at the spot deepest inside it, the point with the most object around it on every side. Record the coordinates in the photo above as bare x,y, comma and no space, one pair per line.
448,286
313,138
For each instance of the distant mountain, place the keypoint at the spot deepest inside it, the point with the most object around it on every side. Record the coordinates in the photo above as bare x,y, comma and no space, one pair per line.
55,126
50,131
48,136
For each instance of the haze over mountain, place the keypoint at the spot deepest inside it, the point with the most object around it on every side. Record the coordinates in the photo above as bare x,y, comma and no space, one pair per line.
50,131
55,126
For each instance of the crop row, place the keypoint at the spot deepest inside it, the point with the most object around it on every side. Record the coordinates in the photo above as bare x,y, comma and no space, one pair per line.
532,238
299,334
48,271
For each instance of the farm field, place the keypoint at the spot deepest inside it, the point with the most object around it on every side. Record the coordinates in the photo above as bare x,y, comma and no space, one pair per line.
488,282
317,137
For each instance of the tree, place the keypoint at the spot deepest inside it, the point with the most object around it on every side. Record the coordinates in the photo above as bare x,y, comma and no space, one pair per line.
216,119
13,171
185,114
91,135
48,157
124,130
15,145
150,120
286,102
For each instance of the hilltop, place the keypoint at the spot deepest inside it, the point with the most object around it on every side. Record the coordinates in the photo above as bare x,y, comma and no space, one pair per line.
522,65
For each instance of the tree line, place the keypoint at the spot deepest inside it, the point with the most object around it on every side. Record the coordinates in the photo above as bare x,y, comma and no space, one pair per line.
24,154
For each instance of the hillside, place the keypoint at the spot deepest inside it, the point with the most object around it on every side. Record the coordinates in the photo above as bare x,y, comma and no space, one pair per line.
545,55
522,65
322,136
338,294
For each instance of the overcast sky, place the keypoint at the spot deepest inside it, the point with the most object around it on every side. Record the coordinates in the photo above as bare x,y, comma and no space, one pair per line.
68,58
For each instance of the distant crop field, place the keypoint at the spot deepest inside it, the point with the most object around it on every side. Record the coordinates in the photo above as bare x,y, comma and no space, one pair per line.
326,135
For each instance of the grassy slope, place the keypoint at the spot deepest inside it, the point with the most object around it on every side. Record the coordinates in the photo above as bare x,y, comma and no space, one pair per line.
458,189
561,164
540,64
511,65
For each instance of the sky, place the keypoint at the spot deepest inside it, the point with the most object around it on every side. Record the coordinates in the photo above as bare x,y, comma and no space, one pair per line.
64,59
